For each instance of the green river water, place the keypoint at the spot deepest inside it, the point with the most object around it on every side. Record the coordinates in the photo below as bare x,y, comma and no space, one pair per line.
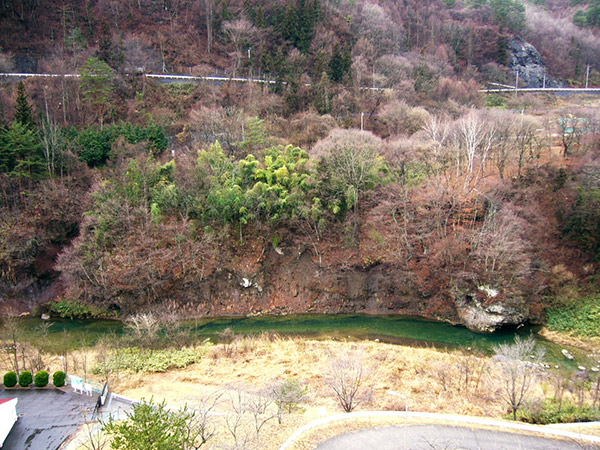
392,329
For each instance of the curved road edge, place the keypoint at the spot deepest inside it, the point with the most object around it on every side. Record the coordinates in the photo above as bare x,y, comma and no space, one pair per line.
540,429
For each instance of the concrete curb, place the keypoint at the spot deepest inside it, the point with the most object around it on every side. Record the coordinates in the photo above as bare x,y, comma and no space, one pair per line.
502,425
574,425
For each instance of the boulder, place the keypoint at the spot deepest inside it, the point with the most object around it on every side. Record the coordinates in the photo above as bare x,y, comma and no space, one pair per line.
485,309
487,319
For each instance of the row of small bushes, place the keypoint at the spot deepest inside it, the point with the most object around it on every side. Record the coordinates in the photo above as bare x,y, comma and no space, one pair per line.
25,379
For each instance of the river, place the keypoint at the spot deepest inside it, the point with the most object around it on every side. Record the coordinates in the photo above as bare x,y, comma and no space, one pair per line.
392,329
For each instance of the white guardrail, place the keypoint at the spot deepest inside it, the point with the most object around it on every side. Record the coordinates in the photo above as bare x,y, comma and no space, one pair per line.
176,77
216,78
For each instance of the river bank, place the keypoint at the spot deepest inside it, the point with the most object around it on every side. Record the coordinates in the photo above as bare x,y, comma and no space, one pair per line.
590,344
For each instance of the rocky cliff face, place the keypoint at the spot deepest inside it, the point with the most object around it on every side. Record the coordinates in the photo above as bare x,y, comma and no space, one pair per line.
290,280
525,59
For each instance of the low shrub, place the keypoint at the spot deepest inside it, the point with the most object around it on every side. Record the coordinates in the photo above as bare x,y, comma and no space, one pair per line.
551,411
58,378
41,379
581,318
135,359
74,309
25,378
10,379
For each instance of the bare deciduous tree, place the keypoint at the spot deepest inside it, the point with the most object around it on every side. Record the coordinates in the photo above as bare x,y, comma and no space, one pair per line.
438,132
209,6
225,125
259,406
143,327
346,376
236,424
504,147
11,328
518,365
571,129
241,32
201,427
499,243
50,137
6,62
527,143
139,55
352,158
476,139
91,437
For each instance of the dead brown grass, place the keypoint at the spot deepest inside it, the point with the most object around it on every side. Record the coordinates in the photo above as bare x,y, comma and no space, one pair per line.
452,382
434,380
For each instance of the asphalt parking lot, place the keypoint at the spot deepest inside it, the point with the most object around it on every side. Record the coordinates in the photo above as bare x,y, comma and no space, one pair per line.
47,417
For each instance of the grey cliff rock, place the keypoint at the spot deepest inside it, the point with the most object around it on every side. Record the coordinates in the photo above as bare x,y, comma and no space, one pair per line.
488,318
525,58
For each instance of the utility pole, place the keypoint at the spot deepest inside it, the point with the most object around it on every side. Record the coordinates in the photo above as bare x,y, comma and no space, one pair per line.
373,78
587,76
517,83
362,121
544,86
249,67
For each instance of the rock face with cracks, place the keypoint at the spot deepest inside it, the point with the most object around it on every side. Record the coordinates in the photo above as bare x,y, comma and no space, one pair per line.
525,59
486,309
488,318
292,281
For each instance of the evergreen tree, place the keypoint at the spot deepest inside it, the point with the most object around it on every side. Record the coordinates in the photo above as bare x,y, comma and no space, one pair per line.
592,16
502,50
254,135
96,84
149,426
259,21
20,152
23,110
340,64
299,22
323,95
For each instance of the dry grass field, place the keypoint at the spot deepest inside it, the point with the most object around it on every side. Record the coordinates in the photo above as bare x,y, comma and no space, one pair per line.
432,380
245,370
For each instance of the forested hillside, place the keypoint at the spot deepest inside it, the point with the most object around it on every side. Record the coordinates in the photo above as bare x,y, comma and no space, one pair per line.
120,193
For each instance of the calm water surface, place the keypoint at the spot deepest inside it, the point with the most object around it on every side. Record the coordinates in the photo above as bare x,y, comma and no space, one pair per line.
393,329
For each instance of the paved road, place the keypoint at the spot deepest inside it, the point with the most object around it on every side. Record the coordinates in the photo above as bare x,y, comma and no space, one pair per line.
433,437
46,418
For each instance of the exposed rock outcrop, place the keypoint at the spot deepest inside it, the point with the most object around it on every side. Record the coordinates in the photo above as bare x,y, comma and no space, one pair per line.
484,310
291,281
486,319
525,58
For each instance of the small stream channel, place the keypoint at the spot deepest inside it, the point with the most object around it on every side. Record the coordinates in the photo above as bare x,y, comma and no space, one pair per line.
391,329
